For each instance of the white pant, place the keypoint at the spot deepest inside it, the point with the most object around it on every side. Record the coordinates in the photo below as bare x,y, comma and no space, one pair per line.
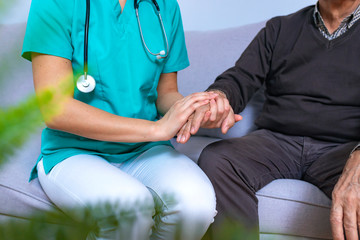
162,181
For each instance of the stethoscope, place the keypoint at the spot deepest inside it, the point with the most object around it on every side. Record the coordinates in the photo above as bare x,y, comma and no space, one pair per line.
86,83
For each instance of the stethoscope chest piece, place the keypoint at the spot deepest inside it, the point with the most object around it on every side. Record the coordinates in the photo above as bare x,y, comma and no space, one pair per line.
86,85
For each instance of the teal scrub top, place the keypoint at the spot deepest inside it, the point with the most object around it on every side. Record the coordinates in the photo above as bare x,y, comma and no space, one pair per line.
126,74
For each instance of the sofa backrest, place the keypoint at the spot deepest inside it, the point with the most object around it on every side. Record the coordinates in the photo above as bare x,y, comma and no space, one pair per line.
15,73
210,54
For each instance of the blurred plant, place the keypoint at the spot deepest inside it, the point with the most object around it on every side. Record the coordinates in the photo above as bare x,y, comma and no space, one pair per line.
52,225
18,122
83,224
233,230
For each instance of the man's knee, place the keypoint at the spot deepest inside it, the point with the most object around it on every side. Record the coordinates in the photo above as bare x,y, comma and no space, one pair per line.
208,154
226,166
214,158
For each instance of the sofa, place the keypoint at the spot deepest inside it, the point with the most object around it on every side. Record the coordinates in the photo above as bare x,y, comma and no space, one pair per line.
288,209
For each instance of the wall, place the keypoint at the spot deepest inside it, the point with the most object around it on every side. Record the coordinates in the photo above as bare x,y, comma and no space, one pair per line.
202,14
218,14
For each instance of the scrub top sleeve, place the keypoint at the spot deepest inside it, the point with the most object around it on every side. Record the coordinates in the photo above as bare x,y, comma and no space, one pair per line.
177,58
48,29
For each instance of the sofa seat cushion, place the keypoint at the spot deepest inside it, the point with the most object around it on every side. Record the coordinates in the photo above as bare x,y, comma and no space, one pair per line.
19,197
294,207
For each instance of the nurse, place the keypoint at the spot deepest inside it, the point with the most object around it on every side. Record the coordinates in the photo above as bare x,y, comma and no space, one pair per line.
108,145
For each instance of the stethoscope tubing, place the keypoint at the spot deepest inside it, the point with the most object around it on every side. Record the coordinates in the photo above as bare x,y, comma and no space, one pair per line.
86,83
158,55
86,38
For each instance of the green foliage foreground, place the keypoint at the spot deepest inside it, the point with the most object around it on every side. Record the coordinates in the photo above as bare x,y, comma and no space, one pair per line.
18,122
46,226
84,223
16,125
55,225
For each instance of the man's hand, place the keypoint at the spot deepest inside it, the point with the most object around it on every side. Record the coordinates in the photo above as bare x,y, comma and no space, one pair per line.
217,114
345,211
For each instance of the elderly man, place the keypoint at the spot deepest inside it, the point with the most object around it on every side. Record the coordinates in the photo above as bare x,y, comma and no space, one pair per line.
310,125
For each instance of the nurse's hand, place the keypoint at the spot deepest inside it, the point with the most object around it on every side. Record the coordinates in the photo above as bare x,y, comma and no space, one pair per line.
179,113
217,114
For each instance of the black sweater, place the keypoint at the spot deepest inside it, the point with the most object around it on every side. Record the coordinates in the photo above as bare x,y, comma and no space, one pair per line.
312,84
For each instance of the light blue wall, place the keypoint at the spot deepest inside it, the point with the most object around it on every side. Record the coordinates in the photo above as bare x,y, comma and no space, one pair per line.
17,12
201,14
217,14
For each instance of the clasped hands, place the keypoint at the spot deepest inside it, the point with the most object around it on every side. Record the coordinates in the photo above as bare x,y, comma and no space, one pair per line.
216,114
188,114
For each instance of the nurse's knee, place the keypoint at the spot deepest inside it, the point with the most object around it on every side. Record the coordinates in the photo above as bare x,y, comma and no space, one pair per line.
139,195
193,207
110,206
118,214
139,201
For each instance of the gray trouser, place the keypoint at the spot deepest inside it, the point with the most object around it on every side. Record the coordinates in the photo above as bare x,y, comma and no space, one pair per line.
239,167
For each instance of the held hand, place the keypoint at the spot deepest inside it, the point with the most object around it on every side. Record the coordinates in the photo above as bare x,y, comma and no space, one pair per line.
217,114
179,113
345,211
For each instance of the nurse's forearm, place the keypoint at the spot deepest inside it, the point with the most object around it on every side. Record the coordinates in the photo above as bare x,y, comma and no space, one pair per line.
81,119
84,120
165,101
168,92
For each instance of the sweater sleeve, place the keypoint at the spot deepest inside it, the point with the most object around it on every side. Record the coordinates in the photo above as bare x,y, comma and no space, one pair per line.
356,148
241,81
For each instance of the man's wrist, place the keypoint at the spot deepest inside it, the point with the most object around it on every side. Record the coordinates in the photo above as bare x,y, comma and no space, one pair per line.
355,152
221,93
357,148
